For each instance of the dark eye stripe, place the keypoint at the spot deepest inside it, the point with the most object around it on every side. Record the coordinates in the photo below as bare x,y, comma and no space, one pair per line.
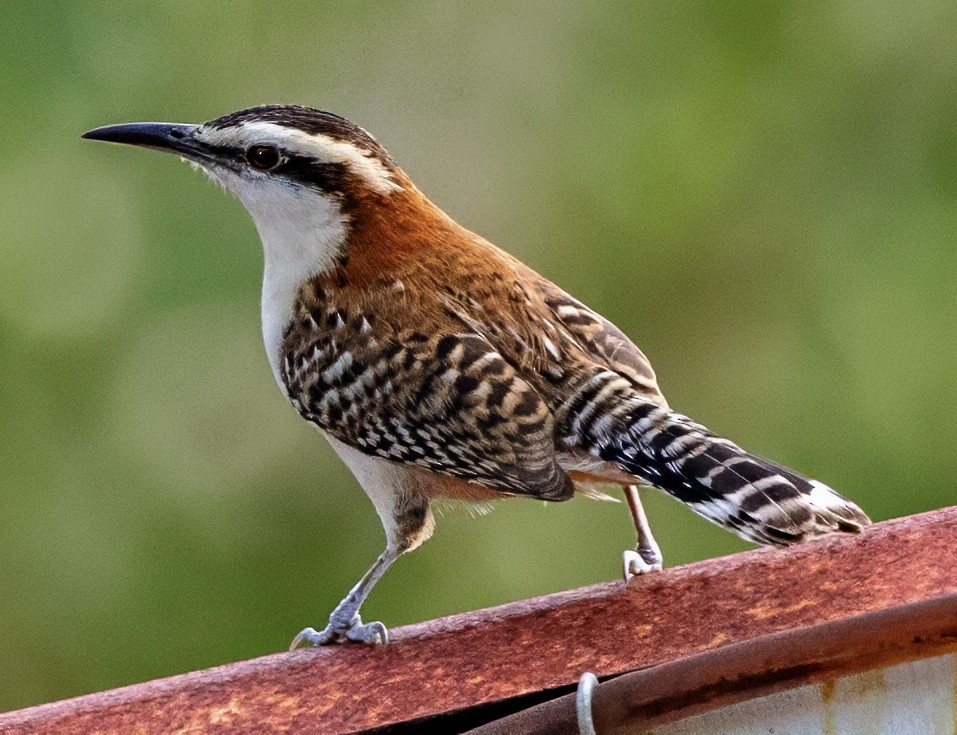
330,178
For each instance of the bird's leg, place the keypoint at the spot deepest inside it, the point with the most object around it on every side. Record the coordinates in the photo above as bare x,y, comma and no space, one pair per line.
410,525
647,556
345,623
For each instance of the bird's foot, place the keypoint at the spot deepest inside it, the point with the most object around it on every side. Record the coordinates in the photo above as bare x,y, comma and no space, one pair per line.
641,561
338,632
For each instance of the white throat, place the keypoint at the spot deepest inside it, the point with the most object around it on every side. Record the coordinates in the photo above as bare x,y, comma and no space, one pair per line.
302,232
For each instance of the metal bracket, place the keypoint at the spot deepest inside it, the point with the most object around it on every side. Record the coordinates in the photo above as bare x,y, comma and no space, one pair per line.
583,699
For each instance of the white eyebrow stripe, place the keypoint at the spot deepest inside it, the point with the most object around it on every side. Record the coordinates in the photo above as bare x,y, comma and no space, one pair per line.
318,146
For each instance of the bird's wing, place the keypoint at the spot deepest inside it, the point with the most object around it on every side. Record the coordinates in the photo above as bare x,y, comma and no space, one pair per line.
545,333
447,402
602,341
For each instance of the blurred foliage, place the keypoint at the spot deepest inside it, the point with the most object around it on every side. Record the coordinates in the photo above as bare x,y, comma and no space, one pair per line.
764,195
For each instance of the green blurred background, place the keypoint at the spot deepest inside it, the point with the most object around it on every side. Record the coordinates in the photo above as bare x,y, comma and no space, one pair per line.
763,196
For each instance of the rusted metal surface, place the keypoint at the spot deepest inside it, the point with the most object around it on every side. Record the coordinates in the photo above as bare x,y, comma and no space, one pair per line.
912,698
642,700
493,655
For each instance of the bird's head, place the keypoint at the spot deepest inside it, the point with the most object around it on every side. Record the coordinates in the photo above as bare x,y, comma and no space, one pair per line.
302,173
274,147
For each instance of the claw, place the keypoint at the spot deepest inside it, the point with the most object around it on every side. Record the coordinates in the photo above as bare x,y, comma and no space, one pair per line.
372,633
312,637
633,564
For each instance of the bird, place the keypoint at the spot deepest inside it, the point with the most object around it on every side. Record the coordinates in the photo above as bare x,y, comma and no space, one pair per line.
439,366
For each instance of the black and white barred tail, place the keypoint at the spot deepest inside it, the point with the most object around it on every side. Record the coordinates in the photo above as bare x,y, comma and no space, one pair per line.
755,498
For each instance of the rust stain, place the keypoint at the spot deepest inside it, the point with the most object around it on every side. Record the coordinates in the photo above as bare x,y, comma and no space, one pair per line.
489,656
828,688
853,688
953,703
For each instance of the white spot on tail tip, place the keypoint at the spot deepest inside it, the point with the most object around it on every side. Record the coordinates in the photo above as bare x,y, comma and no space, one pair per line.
823,497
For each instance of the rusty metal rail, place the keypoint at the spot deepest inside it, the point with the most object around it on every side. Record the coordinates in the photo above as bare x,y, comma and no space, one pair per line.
641,700
467,670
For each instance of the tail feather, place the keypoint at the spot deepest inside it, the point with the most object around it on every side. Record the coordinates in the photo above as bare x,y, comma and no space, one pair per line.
755,498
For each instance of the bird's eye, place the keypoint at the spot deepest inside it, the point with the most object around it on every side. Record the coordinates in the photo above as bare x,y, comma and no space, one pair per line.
263,157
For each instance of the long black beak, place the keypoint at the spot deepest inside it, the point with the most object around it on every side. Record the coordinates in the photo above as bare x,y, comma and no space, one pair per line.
167,137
